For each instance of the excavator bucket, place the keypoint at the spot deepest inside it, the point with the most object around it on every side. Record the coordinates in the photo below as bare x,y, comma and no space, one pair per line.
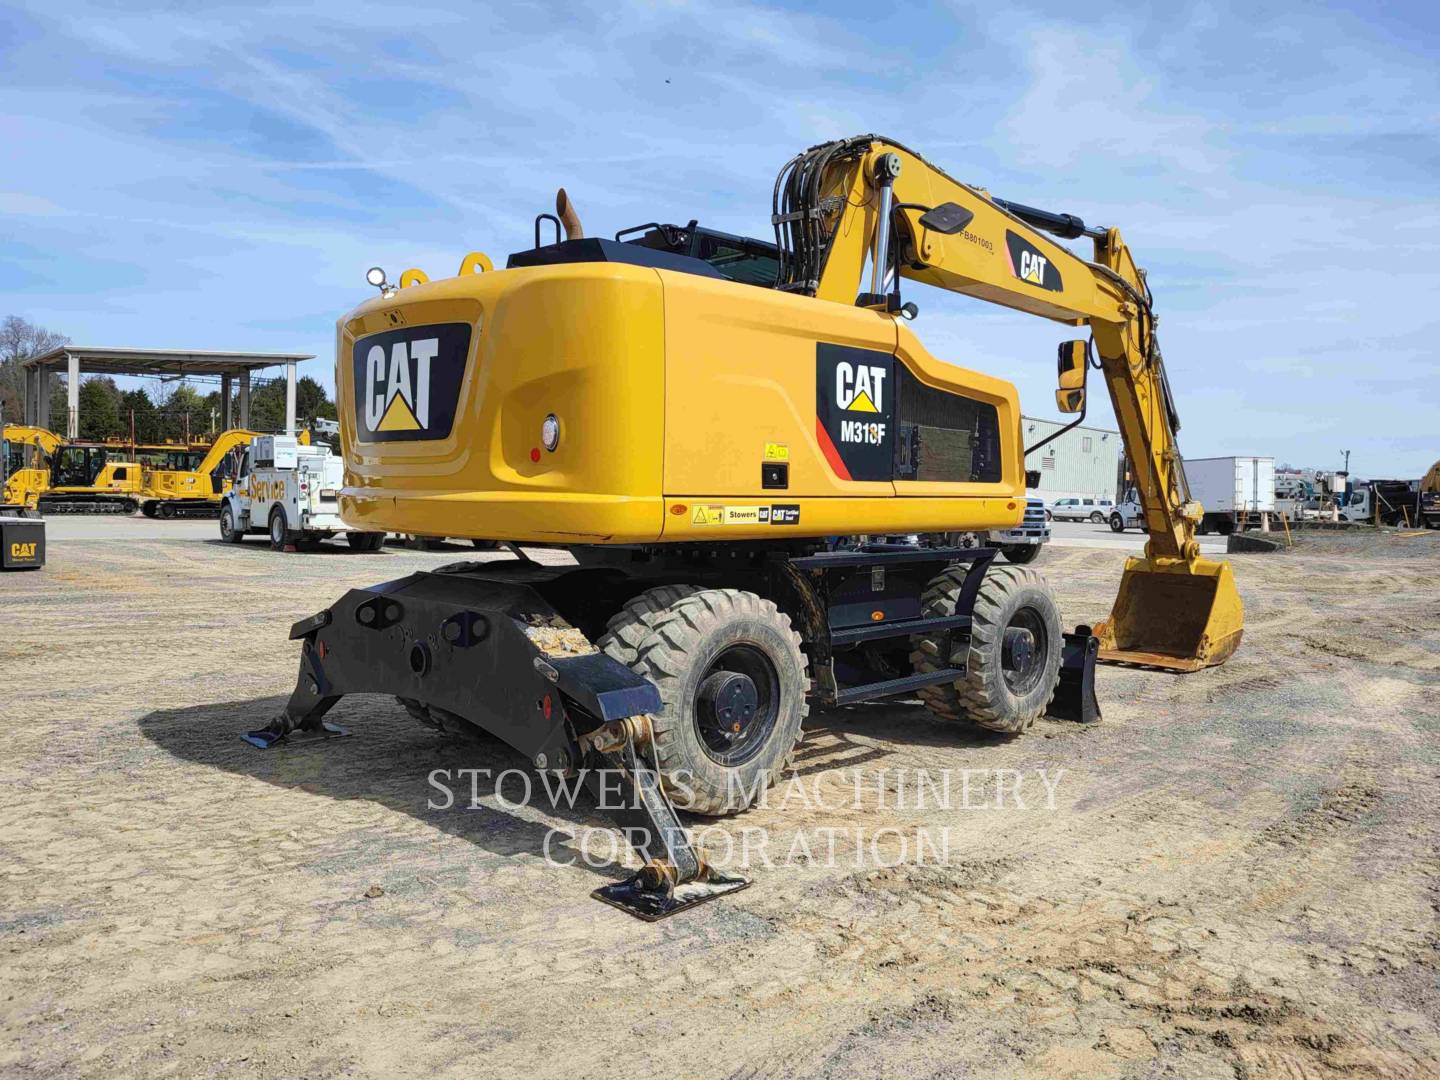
1173,614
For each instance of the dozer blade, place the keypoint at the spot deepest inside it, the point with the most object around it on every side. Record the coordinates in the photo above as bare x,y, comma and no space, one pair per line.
1173,614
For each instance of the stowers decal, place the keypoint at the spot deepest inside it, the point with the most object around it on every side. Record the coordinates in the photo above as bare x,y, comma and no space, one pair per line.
855,410
407,382
1030,265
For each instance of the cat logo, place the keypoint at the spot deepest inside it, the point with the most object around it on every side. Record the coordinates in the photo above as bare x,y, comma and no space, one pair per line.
860,387
20,552
407,381
1030,266
397,387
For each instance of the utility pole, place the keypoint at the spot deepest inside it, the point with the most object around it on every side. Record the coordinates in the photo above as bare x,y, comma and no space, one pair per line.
1345,452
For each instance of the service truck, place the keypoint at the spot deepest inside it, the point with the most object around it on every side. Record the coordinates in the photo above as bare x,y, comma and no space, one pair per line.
290,492
1235,491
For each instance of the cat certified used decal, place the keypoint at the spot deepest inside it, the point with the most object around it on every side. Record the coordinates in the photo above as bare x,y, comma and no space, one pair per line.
407,382
1031,265
855,410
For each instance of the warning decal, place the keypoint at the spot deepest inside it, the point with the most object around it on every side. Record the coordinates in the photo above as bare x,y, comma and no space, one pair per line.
708,515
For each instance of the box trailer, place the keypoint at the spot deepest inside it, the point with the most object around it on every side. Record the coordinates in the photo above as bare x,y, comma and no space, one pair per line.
1233,490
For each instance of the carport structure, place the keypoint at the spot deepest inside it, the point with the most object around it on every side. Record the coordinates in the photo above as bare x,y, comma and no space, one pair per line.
232,368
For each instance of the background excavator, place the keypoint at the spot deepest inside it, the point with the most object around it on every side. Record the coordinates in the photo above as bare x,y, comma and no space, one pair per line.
692,414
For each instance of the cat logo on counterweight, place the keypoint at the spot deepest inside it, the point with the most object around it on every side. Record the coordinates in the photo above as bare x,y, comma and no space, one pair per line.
407,382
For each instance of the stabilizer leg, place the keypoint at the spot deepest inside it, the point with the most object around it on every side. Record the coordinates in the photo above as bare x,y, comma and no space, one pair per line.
674,877
303,718
1075,695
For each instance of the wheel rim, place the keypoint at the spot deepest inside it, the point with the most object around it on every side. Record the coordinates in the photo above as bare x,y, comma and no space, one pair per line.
277,531
1024,648
737,704
227,526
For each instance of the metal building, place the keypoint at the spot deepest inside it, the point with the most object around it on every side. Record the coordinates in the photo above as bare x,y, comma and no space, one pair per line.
1082,463
77,360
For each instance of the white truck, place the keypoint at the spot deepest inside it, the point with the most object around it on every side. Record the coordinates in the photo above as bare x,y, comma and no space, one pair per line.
1018,545
1233,490
291,493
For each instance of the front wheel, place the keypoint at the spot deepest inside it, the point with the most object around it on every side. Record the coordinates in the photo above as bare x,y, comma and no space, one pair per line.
1020,554
229,530
732,684
1049,516
1012,661
1117,523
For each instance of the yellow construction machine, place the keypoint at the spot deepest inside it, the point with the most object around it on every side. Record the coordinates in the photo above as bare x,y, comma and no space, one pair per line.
196,484
697,416
27,454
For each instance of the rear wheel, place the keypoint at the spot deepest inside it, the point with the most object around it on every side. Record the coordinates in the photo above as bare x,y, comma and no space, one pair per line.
1097,518
732,682
1012,659
1020,554
229,530
279,530
1225,526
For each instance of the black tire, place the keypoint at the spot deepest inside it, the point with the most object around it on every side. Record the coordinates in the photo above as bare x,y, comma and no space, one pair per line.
485,545
365,541
1097,518
228,532
1049,516
1020,554
682,638
1225,526
280,535
1117,523
991,694
148,508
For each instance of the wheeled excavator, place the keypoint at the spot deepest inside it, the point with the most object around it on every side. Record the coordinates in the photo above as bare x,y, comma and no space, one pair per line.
692,414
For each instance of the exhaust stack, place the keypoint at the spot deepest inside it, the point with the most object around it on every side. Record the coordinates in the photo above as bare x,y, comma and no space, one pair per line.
565,210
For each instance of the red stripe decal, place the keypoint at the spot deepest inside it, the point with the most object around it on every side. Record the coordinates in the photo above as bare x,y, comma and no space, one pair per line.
828,449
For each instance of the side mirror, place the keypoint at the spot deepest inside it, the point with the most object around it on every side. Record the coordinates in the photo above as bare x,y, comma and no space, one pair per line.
1032,478
947,219
1073,365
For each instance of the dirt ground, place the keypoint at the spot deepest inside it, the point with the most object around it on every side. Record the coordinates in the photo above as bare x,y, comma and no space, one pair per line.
1237,876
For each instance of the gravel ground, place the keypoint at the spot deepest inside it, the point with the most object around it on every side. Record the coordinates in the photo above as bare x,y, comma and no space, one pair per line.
1235,877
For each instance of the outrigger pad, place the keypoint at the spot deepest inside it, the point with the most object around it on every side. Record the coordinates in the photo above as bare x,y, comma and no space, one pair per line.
652,905
1075,694
265,739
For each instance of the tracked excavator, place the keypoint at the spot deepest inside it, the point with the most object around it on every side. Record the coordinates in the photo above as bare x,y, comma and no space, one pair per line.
692,414
199,487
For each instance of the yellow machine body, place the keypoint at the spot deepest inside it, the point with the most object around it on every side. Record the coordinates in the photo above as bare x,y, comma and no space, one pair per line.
27,465
673,393
208,480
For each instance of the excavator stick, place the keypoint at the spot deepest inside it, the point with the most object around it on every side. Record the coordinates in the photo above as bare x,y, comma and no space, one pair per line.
1177,614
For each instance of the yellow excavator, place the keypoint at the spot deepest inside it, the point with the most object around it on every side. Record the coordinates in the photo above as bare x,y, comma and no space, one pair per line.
696,417
200,485
27,454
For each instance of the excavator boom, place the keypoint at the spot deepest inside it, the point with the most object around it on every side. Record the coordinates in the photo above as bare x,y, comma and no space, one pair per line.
868,203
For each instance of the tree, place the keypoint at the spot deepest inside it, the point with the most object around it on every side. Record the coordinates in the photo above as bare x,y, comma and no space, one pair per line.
137,403
19,339
100,409
183,413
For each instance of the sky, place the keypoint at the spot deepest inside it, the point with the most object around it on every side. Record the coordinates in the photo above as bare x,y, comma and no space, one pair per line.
218,176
